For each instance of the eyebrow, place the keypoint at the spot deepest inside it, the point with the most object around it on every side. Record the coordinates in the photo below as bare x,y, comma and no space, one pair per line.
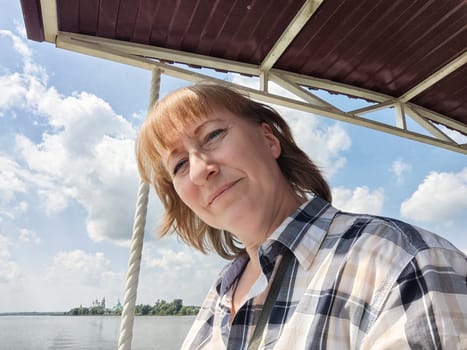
200,127
196,132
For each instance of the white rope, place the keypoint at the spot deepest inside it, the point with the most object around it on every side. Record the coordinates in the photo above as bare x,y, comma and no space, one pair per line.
134,262
127,318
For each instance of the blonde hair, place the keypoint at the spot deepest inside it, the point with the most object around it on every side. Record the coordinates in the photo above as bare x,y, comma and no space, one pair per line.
169,116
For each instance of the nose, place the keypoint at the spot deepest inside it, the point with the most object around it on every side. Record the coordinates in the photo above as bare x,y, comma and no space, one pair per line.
201,168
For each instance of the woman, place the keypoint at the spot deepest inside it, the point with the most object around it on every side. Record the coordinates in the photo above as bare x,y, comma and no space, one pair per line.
232,179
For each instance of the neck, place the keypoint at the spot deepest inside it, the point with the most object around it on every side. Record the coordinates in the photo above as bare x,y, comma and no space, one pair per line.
255,236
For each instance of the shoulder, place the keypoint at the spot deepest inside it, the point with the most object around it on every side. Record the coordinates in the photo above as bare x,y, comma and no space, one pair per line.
405,237
391,264
388,251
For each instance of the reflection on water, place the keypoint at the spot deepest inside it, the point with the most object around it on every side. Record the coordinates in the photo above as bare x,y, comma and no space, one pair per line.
90,332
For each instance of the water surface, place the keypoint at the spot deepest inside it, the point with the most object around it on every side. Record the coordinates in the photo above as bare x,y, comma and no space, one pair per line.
90,332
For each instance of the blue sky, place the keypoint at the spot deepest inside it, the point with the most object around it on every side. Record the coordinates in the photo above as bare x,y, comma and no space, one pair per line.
68,179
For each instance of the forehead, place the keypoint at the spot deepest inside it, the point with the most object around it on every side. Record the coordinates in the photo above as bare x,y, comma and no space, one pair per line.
194,127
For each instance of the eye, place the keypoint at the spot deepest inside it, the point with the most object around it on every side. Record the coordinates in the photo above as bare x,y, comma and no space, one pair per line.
214,134
179,166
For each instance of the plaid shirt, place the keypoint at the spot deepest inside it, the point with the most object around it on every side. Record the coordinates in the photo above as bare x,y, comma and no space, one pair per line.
356,282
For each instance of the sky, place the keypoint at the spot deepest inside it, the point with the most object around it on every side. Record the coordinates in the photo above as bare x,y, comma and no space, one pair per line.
68,179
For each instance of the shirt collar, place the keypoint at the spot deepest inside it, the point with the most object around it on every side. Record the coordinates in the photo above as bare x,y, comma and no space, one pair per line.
232,270
304,231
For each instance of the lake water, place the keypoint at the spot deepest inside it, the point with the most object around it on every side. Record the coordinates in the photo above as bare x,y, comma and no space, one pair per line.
90,332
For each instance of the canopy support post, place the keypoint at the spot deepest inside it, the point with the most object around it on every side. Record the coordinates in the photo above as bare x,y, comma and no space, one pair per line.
134,262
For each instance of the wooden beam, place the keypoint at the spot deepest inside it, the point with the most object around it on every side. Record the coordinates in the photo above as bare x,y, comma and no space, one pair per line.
400,116
49,19
163,54
292,30
435,77
301,93
424,123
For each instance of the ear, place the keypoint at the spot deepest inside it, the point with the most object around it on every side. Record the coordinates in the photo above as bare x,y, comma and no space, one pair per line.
271,139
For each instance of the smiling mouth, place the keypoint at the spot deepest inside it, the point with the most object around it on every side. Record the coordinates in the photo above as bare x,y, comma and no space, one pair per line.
221,191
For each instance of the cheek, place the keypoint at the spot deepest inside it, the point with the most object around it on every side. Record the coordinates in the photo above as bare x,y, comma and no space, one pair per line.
186,192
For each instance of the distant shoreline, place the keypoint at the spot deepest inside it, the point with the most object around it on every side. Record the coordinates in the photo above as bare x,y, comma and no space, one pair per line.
33,313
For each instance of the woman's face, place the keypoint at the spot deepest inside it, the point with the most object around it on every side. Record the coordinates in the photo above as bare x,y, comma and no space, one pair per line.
224,169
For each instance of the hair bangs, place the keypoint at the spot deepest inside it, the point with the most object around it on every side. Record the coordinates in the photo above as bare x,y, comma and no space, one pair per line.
172,115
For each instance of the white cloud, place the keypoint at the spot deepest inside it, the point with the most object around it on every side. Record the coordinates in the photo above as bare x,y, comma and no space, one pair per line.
324,145
54,200
18,44
9,270
86,153
13,89
11,181
82,118
400,168
162,258
79,265
31,69
440,197
20,28
139,116
28,236
102,176
21,206
4,247
169,260
359,200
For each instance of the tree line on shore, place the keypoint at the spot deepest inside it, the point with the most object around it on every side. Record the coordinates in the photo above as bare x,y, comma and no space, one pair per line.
163,308
160,308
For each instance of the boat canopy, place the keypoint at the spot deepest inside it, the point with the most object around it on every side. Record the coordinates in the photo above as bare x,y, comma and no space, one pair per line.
408,56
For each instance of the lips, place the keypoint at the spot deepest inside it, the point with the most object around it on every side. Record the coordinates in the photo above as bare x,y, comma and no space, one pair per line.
220,191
